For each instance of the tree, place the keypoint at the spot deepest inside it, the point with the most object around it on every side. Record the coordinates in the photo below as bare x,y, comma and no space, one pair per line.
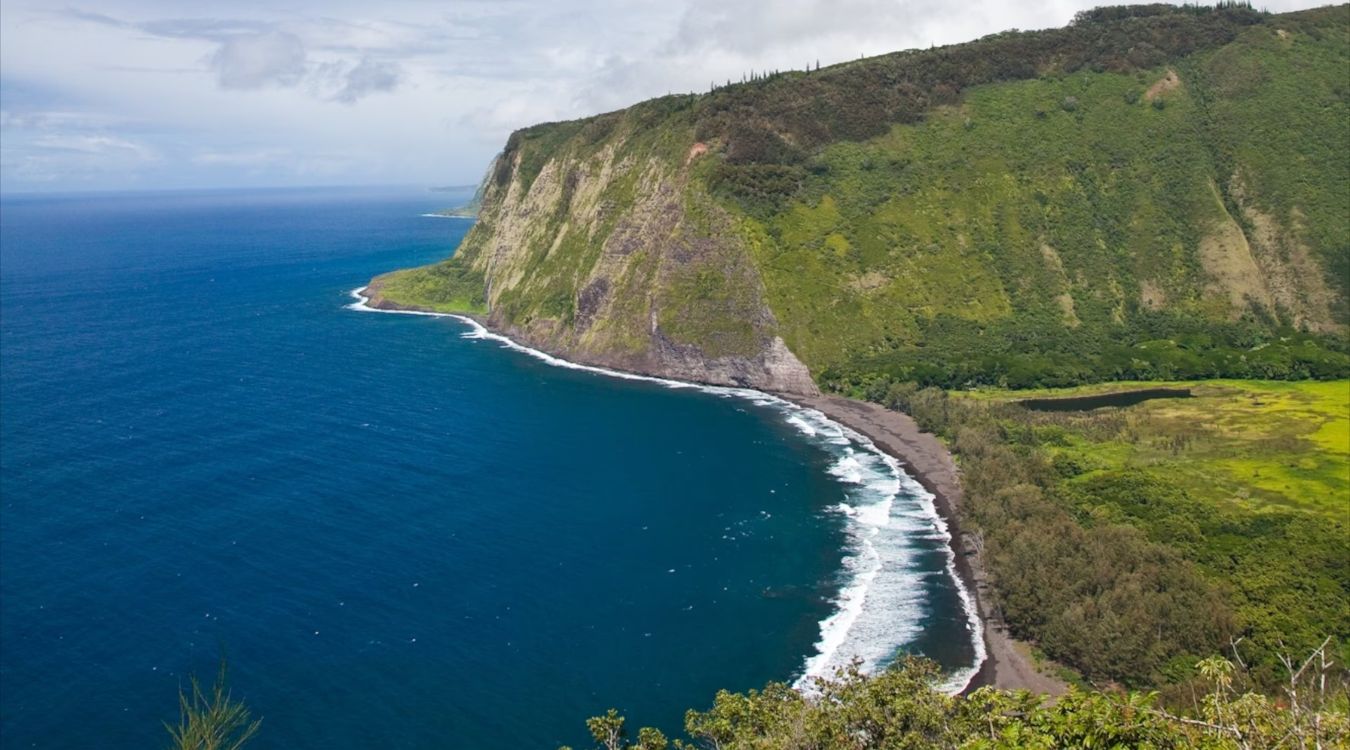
610,734
211,722
1312,715
899,708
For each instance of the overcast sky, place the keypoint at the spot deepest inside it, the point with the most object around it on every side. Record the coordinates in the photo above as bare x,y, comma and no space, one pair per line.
154,94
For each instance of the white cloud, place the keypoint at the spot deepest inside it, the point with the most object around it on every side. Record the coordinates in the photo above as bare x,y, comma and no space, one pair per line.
254,54
76,160
57,120
253,158
250,61
96,145
368,77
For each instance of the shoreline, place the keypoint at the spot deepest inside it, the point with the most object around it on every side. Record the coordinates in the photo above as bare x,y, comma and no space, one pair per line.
920,455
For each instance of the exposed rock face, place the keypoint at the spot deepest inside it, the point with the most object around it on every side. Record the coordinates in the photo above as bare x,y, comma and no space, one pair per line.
774,369
613,256
1295,284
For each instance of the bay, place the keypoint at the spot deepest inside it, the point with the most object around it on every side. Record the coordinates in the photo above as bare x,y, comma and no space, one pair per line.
397,536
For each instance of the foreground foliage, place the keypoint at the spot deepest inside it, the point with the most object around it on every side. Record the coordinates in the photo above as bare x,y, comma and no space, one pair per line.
211,720
898,708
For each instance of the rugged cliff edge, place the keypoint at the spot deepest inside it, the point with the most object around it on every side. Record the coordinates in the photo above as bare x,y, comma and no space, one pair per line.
1149,192
594,243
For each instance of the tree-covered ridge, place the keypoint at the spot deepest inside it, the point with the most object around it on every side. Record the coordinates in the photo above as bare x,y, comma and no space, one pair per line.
1177,220
784,117
1152,192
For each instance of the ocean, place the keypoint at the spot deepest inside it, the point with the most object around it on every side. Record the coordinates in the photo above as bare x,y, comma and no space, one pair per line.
397,531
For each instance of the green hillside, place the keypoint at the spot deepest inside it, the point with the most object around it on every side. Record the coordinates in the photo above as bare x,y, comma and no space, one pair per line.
1149,193
1155,221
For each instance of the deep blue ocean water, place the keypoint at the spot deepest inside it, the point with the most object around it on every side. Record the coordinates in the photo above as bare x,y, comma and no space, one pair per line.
397,536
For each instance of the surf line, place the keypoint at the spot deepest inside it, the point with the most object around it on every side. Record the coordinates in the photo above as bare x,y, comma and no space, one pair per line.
864,565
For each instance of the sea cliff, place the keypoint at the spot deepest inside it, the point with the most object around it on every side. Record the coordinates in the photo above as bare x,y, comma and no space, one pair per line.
609,254
1150,192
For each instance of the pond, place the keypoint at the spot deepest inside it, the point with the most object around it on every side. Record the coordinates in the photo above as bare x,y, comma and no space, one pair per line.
1100,400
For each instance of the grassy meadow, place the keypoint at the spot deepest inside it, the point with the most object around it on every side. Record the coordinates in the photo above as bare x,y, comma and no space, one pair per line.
443,287
1247,480
1252,445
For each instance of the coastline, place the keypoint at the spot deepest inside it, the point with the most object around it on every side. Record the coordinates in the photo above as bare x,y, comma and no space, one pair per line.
919,455
1007,665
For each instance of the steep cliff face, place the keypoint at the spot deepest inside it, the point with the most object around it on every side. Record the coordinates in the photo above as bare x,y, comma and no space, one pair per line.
1147,193
593,242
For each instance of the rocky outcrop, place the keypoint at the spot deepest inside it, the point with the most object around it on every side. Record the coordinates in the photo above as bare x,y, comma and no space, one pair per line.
609,254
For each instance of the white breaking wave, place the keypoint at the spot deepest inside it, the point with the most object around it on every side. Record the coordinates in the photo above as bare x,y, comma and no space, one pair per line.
801,425
880,606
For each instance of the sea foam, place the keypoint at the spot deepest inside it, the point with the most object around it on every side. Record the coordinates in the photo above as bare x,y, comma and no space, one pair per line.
880,605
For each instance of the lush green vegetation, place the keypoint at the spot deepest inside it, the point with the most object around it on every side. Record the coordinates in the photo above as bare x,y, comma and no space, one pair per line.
211,720
1128,543
899,708
1257,445
443,287
1091,222
1152,192
1267,99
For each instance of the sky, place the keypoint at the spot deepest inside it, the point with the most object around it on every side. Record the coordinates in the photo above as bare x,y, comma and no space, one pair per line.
152,94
